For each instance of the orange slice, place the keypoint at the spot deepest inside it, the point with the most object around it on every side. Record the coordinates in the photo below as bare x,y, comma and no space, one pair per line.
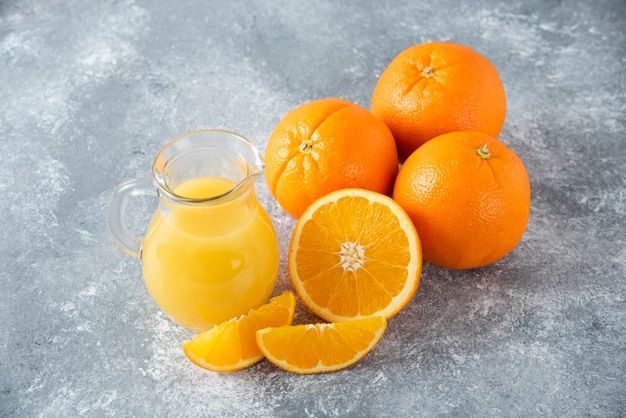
231,345
320,348
354,254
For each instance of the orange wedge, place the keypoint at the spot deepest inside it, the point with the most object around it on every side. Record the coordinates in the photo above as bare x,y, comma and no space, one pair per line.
355,253
231,345
320,348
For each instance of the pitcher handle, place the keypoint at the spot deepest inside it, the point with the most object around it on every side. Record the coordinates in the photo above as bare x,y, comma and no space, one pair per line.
121,197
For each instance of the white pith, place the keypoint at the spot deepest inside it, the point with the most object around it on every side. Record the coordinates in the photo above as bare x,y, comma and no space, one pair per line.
351,256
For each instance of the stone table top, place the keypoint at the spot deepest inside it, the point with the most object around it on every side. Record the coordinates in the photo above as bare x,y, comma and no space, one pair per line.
91,90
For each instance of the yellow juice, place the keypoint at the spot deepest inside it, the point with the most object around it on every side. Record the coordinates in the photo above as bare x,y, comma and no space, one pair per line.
204,264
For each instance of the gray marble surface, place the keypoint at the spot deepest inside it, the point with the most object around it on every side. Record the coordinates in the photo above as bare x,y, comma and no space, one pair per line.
91,90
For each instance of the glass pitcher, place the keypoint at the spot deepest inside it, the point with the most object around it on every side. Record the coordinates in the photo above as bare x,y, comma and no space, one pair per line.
210,252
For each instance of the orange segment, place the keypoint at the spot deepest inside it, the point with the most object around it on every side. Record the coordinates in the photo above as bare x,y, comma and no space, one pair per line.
355,254
231,345
320,348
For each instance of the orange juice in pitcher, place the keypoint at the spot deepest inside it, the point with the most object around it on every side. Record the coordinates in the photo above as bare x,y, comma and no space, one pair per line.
210,252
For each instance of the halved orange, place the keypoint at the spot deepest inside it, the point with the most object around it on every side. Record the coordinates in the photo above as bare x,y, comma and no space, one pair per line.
320,348
231,345
355,253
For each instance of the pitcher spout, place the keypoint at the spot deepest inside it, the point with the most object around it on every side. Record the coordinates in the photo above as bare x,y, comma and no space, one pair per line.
207,153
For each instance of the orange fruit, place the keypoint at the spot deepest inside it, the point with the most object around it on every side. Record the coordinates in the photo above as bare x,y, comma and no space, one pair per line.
469,197
354,254
435,88
231,345
326,145
320,348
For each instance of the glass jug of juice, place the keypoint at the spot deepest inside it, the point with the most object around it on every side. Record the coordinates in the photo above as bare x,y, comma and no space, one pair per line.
210,252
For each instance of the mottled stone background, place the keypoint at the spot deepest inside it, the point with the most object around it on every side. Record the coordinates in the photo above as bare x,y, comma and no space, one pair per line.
91,90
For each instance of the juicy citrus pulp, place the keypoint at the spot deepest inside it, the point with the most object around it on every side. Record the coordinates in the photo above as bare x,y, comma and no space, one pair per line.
355,253
231,345
320,348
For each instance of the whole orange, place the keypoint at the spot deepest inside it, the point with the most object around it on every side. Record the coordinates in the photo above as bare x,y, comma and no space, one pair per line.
438,87
327,145
468,195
